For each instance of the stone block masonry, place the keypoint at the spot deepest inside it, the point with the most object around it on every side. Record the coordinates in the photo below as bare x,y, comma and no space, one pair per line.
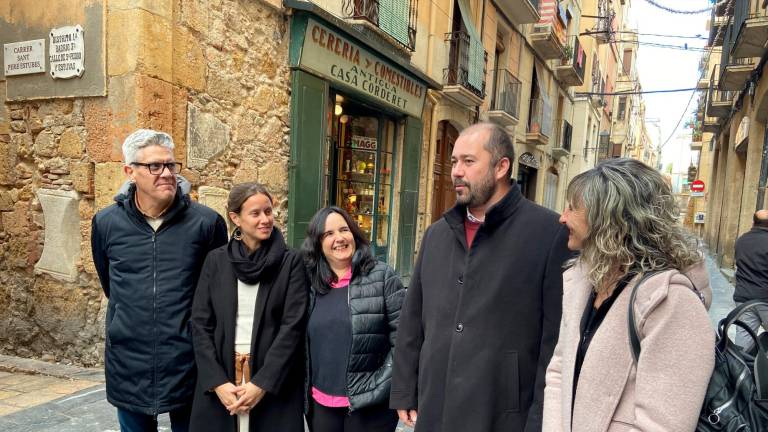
217,68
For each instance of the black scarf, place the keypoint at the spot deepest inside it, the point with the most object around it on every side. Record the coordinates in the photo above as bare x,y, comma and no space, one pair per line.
261,263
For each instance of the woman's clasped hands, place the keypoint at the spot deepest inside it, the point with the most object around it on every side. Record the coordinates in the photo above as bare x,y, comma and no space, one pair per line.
239,399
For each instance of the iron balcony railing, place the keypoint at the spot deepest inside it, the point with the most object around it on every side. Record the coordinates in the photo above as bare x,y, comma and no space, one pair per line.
463,69
746,10
574,56
540,120
715,94
397,18
507,96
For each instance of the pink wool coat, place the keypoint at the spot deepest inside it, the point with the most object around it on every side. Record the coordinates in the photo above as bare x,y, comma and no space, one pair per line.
666,389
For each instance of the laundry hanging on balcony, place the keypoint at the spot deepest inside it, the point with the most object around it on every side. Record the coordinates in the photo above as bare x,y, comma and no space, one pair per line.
476,60
545,109
393,19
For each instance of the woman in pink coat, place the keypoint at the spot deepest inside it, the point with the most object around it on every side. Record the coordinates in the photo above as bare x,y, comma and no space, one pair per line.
622,219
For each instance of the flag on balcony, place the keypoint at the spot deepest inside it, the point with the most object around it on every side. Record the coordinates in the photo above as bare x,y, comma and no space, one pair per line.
476,65
393,19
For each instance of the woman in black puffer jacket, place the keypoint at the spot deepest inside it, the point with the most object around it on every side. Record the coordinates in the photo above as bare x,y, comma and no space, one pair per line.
354,309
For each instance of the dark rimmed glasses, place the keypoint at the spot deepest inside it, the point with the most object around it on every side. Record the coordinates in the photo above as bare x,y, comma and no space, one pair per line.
157,168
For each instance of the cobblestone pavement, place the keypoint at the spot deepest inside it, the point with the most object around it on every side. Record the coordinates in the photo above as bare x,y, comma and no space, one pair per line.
37,396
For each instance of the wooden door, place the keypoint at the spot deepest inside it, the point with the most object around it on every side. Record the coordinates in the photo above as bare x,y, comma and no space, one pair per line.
443,195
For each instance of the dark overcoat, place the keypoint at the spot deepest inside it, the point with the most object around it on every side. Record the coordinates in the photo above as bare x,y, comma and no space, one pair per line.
277,341
479,325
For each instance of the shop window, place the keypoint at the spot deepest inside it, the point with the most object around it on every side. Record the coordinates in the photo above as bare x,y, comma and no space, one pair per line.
360,165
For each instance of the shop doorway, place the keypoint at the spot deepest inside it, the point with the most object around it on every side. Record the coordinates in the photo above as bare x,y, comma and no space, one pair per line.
526,178
359,167
443,195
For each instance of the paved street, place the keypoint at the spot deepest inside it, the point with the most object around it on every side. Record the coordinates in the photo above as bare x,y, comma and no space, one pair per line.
40,397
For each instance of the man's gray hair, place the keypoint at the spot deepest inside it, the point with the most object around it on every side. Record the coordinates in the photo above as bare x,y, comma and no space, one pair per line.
141,139
499,145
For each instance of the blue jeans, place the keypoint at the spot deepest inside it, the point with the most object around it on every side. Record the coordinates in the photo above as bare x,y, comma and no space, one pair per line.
138,422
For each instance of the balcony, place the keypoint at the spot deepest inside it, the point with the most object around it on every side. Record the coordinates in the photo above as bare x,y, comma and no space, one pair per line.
539,123
735,74
563,147
717,29
395,18
710,125
520,11
734,71
546,41
696,145
506,100
572,65
751,29
464,78
604,29
718,101
702,84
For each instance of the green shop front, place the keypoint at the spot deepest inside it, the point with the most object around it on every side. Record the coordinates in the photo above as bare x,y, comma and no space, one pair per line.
356,137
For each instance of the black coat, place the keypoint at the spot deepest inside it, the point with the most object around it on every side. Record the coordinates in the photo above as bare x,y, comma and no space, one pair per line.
752,265
375,300
478,327
276,347
150,278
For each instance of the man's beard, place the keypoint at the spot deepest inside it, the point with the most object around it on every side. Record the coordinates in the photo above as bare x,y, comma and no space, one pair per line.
480,192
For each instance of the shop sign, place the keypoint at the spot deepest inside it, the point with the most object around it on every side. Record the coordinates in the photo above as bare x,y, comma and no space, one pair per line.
332,55
66,52
530,160
27,57
698,218
363,142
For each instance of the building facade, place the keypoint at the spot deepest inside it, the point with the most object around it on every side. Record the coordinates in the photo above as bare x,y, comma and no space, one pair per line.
732,162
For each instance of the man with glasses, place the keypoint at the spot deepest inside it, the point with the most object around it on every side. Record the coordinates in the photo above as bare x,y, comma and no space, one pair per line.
148,248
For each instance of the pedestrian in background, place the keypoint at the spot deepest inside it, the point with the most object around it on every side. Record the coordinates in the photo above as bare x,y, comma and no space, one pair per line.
622,218
751,257
355,304
148,249
482,312
251,302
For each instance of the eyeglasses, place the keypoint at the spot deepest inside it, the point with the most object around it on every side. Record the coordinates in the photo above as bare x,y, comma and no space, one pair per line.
157,168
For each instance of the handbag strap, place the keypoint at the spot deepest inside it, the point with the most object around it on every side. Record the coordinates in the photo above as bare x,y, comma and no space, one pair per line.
634,339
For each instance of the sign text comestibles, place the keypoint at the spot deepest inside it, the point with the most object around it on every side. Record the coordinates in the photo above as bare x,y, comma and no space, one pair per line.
25,57
333,56
66,52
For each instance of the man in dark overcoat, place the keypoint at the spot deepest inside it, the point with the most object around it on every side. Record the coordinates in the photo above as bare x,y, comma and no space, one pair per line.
482,313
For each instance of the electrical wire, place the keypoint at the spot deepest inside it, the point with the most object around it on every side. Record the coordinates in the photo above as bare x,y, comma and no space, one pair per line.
662,35
728,6
635,92
683,12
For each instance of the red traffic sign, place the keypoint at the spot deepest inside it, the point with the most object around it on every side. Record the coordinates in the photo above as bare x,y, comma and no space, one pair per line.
697,186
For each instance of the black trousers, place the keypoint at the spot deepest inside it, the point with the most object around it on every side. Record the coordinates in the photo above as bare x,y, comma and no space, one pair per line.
377,418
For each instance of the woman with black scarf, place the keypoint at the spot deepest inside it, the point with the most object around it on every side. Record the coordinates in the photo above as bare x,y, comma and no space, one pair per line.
248,322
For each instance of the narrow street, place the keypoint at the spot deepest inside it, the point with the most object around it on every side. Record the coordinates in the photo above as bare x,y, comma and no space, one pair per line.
41,397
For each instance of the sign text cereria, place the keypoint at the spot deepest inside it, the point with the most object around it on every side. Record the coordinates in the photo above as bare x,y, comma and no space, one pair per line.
335,57
66,52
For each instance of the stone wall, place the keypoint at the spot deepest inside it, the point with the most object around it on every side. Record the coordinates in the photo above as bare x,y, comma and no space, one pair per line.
212,73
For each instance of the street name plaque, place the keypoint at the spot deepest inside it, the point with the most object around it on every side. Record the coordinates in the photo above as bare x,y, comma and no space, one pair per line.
66,52
22,58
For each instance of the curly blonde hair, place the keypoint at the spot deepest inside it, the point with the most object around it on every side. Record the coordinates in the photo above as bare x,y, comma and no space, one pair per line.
632,219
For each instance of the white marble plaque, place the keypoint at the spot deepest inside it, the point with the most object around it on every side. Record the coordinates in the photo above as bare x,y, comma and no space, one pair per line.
22,58
67,52
61,249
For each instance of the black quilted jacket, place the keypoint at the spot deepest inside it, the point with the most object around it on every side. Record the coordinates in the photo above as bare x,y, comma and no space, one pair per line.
375,300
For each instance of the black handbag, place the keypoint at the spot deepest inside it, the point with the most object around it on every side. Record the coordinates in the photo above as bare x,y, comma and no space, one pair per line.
737,394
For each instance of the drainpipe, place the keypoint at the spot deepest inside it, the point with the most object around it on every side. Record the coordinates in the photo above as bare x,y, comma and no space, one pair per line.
431,38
